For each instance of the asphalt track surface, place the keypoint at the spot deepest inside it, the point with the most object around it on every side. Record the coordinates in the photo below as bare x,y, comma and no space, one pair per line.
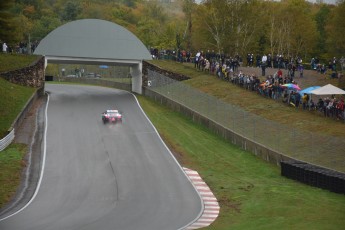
114,176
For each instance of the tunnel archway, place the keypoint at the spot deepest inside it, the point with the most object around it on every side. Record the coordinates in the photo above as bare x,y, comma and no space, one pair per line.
95,41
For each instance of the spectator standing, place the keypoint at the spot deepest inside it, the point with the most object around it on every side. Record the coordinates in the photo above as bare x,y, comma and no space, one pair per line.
258,60
300,69
196,60
269,61
305,101
334,64
342,63
297,99
4,47
312,64
263,64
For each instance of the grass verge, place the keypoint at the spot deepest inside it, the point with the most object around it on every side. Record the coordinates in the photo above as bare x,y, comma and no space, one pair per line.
11,167
15,61
251,192
12,100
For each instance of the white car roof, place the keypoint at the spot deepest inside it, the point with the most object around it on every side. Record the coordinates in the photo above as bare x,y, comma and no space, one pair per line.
112,111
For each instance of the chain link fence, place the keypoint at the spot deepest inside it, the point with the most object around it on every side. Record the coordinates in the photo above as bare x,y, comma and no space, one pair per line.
322,150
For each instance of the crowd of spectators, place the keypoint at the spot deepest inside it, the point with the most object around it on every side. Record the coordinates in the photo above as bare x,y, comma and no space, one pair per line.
294,65
20,48
271,86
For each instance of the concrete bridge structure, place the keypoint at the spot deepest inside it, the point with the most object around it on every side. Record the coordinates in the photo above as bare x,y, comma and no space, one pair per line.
95,42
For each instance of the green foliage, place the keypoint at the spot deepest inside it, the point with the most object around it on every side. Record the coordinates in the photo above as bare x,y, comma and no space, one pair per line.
321,20
42,27
7,22
155,12
288,27
336,30
148,31
71,11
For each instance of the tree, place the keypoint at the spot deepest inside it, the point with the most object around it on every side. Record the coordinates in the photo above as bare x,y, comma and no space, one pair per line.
71,11
43,27
291,28
321,20
7,22
336,31
211,20
232,25
188,9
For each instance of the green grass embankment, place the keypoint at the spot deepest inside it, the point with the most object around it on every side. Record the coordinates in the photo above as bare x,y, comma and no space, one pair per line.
12,100
251,192
11,165
15,61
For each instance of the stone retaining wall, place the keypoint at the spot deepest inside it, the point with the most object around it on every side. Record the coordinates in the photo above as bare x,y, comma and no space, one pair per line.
32,75
148,66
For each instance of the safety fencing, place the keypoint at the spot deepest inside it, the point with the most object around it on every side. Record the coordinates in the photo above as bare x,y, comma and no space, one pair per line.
7,140
321,150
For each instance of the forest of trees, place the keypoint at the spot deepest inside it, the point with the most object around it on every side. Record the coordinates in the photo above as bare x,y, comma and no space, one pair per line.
287,27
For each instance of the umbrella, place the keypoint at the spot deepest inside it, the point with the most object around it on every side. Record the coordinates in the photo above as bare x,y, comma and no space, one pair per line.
308,90
103,67
291,86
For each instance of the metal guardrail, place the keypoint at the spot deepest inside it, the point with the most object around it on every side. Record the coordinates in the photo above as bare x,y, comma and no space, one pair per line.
7,140
313,148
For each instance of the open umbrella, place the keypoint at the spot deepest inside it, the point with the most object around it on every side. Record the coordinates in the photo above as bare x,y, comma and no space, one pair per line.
291,86
308,90
103,67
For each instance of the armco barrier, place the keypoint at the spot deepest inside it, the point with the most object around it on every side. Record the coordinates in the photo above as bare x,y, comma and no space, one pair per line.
7,140
314,176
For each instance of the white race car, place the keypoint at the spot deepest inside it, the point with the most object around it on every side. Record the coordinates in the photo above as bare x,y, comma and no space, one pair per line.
111,115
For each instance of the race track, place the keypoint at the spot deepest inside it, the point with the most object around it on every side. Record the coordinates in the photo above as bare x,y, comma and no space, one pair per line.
114,176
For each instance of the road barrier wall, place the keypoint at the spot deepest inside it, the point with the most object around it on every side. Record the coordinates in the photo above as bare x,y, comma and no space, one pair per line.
314,176
101,82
